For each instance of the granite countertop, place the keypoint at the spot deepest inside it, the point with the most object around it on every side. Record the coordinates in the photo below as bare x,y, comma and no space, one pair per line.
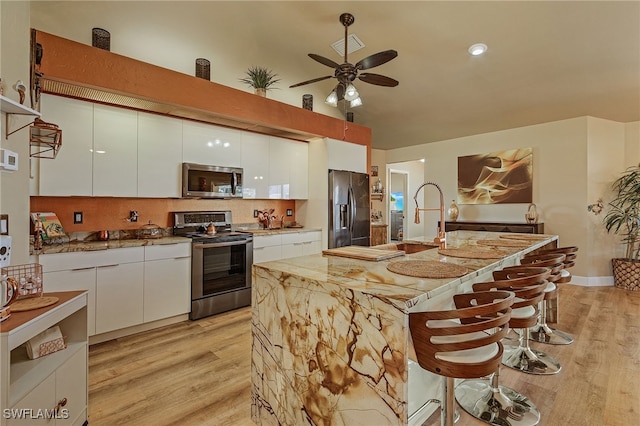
76,246
403,291
277,231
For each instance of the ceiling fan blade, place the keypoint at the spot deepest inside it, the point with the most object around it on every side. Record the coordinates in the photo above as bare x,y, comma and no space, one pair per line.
324,61
311,81
376,59
378,79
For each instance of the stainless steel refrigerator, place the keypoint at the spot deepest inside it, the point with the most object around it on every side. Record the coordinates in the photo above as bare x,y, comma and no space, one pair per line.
349,210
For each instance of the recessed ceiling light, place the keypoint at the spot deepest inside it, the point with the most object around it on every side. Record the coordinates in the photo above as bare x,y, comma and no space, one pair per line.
477,49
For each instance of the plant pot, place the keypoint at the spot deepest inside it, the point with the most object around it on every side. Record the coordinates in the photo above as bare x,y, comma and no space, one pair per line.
261,92
626,274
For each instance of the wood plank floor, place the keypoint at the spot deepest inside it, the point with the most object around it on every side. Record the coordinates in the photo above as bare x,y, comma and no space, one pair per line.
198,372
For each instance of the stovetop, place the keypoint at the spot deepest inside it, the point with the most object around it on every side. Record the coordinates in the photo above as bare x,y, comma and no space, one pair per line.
194,225
220,237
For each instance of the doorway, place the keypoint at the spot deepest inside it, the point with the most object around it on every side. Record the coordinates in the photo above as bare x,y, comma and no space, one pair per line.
397,204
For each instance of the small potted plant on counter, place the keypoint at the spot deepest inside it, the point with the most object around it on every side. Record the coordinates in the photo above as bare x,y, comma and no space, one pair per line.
261,79
624,218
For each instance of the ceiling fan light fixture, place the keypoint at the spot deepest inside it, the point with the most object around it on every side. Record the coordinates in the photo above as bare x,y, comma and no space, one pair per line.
332,99
355,103
477,49
350,93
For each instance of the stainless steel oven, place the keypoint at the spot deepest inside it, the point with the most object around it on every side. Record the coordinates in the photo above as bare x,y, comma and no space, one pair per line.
220,262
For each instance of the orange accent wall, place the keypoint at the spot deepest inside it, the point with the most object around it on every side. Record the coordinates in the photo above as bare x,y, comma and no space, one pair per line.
110,213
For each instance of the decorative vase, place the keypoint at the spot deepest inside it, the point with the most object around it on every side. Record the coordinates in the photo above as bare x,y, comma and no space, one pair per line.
453,211
307,102
261,91
532,214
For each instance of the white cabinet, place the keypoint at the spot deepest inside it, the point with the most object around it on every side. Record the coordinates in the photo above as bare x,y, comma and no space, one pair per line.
31,388
288,169
285,245
255,165
267,248
126,286
301,243
70,173
167,281
115,153
211,145
349,156
159,156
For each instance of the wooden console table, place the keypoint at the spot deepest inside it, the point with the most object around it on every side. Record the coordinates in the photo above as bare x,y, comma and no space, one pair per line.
528,228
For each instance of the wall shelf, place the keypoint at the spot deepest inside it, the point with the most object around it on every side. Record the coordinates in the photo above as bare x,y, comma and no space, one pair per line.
377,196
11,107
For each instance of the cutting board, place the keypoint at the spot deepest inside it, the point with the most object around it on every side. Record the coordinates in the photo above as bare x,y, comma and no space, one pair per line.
363,253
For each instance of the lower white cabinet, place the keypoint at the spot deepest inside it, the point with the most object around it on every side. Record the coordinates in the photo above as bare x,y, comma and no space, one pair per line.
119,296
285,245
126,286
30,389
167,281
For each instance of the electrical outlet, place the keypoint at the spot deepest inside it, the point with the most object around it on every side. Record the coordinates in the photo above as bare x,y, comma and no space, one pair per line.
289,212
77,217
255,213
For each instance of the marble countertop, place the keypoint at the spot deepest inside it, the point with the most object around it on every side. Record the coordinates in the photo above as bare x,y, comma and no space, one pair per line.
277,231
404,291
76,246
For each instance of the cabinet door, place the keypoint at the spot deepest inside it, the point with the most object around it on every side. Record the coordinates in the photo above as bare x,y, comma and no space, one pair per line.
119,296
71,384
167,288
298,170
211,145
159,156
76,279
115,152
41,397
278,168
349,156
70,173
255,165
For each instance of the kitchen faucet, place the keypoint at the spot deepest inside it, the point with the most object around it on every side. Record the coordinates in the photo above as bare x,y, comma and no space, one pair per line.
441,239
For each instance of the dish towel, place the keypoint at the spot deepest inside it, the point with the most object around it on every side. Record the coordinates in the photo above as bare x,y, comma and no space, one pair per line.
47,342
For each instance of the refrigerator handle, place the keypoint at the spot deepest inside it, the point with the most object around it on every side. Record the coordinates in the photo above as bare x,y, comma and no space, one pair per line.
352,209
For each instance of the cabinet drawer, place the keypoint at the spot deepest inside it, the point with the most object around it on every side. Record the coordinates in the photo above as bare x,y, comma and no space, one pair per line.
292,238
88,259
167,251
311,236
266,241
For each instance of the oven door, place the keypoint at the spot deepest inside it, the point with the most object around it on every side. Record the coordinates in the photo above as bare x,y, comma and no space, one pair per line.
219,268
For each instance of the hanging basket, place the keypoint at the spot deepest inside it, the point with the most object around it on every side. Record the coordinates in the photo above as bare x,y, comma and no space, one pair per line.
626,274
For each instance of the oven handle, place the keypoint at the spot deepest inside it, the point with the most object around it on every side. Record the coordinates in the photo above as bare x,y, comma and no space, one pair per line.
200,246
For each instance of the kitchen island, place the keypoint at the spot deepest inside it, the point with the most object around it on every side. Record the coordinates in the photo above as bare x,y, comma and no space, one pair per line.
331,341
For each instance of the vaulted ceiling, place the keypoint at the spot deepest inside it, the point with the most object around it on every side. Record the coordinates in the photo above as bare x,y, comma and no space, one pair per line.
546,61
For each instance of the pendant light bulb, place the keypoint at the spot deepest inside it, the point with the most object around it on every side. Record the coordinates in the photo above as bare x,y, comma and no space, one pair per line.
332,99
356,102
350,93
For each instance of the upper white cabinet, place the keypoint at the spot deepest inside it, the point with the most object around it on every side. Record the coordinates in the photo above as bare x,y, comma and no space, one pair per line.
288,169
159,156
255,165
349,156
115,153
211,145
70,173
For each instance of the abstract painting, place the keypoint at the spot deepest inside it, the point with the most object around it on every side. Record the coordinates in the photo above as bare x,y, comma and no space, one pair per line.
496,177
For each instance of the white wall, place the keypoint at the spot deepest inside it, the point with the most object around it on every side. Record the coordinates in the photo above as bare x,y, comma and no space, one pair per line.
14,66
561,183
415,177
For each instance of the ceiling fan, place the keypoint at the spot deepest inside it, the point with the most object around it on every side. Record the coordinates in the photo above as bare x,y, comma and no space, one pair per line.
346,73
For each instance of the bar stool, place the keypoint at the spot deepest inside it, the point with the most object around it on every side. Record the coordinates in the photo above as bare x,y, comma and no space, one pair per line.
462,342
541,332
487,400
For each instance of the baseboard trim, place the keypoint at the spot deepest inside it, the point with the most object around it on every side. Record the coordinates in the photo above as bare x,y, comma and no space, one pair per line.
592,281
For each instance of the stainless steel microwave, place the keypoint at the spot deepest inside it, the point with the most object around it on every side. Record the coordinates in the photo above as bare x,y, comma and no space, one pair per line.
201,181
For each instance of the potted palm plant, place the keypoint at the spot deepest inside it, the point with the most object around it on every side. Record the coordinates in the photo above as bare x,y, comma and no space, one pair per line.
624,218
261,79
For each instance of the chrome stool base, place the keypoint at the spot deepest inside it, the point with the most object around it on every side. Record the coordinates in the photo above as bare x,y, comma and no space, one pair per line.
498,406
529,360
544,334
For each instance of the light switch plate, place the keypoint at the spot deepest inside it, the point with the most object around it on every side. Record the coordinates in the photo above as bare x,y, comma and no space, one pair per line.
4,224
77,217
